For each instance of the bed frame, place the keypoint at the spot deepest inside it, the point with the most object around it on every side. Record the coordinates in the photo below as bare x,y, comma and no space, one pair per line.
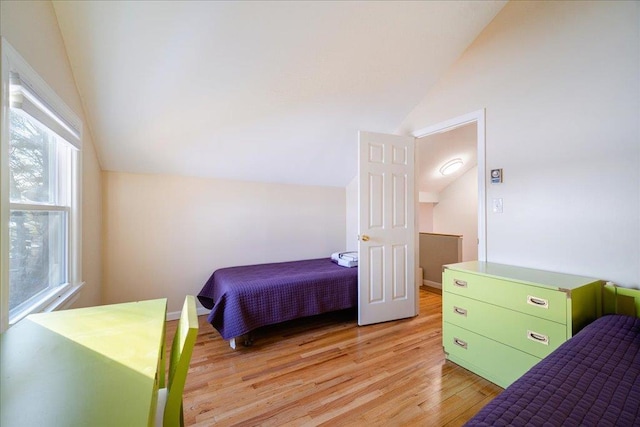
245,298
618,300
246,340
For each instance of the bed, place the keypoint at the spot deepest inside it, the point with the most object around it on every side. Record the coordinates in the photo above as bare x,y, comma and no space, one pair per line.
591,379
245,298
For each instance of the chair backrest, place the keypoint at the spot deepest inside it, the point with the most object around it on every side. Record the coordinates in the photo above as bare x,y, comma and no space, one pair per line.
181,351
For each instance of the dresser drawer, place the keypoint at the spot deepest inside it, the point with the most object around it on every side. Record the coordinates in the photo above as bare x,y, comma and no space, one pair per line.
496,362
537,301
530,334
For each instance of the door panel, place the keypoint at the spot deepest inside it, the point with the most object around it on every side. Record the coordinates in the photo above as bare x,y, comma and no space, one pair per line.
400,282
376,274
387,264
376,205
399,199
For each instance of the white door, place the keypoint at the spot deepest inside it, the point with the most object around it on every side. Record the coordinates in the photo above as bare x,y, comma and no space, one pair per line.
386,226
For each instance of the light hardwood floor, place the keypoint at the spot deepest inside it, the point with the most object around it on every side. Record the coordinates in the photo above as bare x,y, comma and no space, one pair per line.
326,370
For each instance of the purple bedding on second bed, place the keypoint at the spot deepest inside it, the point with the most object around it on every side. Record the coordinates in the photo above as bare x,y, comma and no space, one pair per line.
244,298
592,379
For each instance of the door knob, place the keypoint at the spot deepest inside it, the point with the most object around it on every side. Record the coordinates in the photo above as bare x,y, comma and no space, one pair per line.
364,238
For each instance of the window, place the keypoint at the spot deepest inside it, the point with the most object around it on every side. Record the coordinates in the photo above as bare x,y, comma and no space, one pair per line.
39,194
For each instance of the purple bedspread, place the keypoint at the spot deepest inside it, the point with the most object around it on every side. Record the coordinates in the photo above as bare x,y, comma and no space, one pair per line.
244,298
592,379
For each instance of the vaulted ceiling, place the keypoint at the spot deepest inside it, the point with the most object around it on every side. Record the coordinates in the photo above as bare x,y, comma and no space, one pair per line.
433,151
256,91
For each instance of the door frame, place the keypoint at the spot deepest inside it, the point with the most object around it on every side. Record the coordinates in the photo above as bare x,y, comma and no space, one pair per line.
479,118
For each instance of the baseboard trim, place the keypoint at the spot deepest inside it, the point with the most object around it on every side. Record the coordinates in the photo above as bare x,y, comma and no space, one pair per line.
432,284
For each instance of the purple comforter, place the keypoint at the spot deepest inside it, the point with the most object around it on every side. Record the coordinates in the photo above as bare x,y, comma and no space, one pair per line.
244,298
592,379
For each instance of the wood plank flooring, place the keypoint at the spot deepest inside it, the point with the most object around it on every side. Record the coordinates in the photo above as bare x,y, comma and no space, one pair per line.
327,371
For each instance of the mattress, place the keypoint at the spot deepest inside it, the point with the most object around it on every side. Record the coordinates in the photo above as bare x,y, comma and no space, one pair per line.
244,298
592,379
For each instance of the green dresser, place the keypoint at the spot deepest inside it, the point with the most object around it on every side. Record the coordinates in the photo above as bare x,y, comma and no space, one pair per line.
500,320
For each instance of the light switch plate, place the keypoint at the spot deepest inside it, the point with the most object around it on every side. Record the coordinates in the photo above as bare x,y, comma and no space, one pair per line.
497,205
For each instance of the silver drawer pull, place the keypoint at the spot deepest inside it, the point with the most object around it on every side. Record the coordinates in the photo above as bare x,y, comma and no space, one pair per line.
460,311
459,283
460,343
539,338
538,302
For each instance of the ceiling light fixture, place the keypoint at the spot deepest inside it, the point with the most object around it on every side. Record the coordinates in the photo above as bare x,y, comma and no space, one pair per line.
451,166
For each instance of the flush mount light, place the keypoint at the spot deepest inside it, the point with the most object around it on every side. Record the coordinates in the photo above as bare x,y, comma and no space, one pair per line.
451,166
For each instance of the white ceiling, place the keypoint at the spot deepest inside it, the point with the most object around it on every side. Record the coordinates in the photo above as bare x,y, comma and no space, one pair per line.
257,91
433,151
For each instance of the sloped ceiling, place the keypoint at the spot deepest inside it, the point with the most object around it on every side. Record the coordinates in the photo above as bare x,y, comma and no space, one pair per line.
433,151
256,91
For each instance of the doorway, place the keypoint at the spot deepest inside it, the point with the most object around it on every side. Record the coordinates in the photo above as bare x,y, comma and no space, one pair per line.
356,220
450,206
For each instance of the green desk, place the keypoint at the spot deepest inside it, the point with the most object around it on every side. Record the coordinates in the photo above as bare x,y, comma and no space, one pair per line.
96,366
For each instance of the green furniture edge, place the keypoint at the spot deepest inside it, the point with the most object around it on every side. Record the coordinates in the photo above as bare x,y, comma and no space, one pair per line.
579,290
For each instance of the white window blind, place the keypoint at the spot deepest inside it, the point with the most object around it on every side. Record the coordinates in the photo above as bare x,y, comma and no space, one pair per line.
24,97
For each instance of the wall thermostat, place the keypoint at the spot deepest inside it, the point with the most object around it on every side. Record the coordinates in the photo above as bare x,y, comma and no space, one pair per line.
496,176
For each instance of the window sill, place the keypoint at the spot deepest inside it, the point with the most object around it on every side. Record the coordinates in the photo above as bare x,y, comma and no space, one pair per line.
64,300
57,302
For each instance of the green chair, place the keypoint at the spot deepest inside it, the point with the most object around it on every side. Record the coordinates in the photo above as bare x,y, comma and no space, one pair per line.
169,408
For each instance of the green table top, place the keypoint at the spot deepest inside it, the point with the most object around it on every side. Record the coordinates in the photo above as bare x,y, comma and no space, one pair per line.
92,366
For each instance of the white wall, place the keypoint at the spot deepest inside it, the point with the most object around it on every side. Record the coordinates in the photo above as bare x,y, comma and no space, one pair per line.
560,84
165,235
352,215
32,29
425,217
457,212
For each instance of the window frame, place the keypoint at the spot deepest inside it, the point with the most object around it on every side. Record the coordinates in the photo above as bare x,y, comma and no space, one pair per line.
12,62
